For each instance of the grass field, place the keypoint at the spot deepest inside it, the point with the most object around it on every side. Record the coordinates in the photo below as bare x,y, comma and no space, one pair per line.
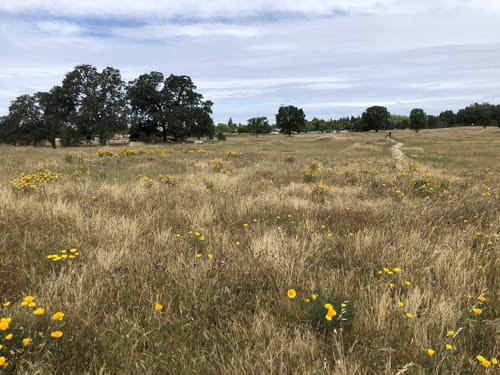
220,259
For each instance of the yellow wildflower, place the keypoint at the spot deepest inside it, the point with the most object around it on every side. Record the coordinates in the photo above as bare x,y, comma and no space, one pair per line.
483,361
401,303
476,311
158,307
397,269
409,315
6,304
58,315
431,352
39,311
26,341
56,334
292,293
449,347
450,332
482,299
314,296
3,362
9,336
330,314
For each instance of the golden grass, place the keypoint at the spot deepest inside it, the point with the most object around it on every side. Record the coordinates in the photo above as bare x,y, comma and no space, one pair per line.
220,245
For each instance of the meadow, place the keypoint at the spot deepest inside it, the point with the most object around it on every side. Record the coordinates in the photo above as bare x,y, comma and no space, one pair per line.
310,254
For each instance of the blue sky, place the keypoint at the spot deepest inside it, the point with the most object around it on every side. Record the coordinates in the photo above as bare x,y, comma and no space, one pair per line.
331,58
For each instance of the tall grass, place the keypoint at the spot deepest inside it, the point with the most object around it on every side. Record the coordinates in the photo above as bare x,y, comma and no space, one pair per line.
401,250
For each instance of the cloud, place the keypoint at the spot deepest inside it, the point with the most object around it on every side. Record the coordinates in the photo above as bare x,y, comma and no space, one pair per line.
333,58
226,8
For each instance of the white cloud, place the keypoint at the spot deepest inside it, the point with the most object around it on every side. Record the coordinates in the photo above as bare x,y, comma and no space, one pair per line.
228,8
439,54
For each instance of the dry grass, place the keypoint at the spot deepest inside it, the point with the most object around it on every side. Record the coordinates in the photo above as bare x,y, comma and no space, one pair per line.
222,244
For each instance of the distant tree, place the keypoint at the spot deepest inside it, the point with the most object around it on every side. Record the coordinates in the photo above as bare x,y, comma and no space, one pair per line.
290,119
375,117
418,119
169,107
479,114
23,125
56,106
258,125
97,101
432,121
448,117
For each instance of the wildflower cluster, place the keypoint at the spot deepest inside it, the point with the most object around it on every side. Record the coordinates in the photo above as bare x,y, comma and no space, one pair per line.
64,255
129,151
311,172
32,181
320,189
216,165
167,179
398,285
105,152
428,185
323,313
32,332
147,181
484,240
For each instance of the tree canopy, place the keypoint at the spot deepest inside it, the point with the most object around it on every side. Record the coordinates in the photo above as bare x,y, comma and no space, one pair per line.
92,103
258,125
290,119
375,118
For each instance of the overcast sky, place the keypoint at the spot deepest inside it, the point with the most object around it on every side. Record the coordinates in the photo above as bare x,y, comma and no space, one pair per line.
331,58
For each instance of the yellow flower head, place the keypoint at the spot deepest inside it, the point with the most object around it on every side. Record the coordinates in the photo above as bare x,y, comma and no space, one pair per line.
409,315
450,332
39,311
431,352
494,361
476,311
158,307
449,347
292,293
6,304
397,269
3,361
314,296
482,299
58,315
401,303
31,304
4,324
56,334
407,283
28,299
483,361
330,314
26,341
9,336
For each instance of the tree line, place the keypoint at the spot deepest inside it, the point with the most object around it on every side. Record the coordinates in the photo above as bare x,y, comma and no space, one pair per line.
373,118
91,103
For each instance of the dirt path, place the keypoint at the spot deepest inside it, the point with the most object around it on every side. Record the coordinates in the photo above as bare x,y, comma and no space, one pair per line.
397,153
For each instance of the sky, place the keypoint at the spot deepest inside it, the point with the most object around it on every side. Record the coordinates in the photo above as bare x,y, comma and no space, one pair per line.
331,58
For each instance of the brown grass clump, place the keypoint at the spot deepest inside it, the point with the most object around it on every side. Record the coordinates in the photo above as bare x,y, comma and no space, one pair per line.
186,256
